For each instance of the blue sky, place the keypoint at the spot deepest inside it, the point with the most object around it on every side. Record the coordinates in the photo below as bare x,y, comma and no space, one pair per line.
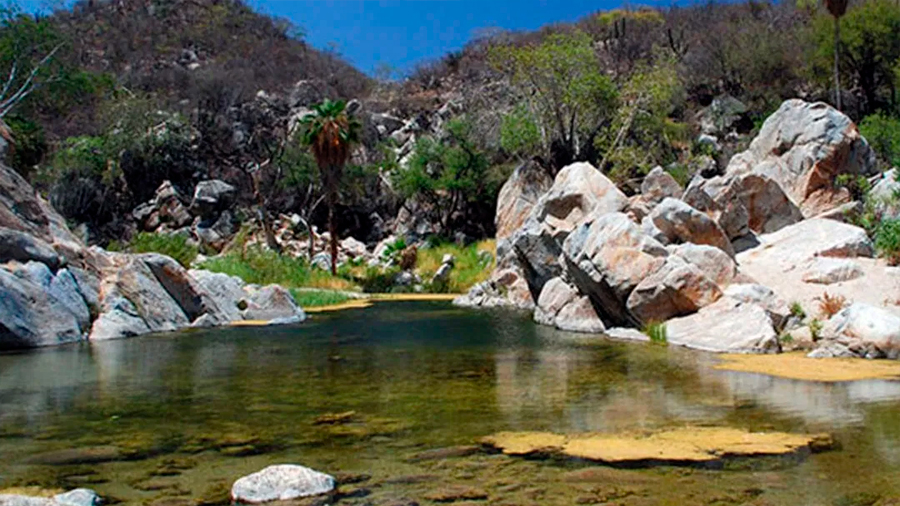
402,33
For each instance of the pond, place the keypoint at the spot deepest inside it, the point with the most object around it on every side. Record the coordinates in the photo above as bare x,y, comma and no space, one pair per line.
370,394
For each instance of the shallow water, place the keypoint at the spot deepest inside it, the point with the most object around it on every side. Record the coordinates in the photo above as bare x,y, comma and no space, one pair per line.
175,419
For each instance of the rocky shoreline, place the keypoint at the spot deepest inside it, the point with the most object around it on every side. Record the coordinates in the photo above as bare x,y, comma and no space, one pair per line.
726,264
56,290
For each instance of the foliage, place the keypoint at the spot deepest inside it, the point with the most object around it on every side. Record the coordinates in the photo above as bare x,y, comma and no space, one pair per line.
797,310
887,240
869,49
563,87
449,176
519,134
883,133
815,329
318,298
657,332
830,305
473,264
176,246
857,185
642,135
30,144
264,267
330,131
786,338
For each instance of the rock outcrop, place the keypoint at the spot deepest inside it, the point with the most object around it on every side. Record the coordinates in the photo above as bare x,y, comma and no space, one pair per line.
55,290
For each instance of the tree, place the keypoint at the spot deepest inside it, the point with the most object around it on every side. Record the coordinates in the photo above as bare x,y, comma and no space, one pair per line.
28,47
450,176
565,90
837,9
330,132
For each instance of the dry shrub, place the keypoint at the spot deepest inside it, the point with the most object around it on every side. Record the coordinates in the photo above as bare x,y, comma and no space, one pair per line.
830,305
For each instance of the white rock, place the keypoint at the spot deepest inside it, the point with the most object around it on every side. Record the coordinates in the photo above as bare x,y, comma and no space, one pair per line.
626,334
827,271
728,326
871,330
281,483
763,296
78,497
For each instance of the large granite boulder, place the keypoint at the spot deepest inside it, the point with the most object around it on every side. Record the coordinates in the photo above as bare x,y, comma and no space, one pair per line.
884,193
578,191
272,304
281,483
714,263
518,197
677,288
681,223
864,330
39,308
606,257
555,295
659,185
793,246
22,247
727,326
804,147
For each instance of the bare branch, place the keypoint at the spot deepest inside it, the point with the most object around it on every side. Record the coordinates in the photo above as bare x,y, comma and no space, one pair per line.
28,86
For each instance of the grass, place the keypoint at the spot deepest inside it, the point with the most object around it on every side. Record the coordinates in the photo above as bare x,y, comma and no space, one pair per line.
657,332
173,245
469,269
318,298
264,267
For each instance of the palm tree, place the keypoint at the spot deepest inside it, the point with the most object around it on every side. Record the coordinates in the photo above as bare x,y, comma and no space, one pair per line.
329,132
837,8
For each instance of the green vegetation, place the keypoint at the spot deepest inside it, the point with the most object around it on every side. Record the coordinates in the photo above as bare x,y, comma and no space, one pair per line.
797,310
786,338
176,246
263,267
318,298
450,177
883,133
473,264
330,132
887,240
657,332
815,329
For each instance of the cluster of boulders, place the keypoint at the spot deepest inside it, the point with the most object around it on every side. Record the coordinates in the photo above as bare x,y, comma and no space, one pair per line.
716,261
54,289
207,218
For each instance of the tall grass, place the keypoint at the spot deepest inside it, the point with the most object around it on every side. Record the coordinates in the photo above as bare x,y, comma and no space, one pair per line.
318,298
265,267
173,245
469,269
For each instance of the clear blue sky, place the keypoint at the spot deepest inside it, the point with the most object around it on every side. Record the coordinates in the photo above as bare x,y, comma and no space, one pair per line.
402,33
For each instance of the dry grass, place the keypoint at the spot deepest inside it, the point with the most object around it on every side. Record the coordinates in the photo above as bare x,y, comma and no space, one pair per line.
469,269
830,305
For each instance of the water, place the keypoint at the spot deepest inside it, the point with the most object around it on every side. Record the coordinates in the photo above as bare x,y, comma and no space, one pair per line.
175,419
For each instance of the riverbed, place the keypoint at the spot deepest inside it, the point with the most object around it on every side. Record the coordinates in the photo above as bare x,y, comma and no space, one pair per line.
393,398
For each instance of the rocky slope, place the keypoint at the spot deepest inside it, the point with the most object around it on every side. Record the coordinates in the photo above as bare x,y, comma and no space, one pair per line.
56,290
719,260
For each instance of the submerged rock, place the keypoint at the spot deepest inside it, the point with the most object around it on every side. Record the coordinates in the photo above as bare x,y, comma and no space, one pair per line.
690,444
281,483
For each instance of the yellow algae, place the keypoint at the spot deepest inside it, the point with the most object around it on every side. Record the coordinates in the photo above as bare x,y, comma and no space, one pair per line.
797,366
412,297
689,444
525,443
350,304
250,323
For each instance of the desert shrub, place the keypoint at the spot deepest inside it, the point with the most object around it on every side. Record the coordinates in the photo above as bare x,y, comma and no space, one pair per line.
887,240
815,329
883,133
176,246
797,310
830,305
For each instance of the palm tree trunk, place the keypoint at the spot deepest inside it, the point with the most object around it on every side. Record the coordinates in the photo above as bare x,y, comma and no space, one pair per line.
332,229
837,66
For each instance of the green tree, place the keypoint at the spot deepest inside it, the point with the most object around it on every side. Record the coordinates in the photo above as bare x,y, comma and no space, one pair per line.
883,133
519,134
564,89
448,175
869,50
330,132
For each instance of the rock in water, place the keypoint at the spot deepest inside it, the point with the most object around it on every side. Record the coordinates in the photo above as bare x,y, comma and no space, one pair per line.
78,497
281,483
867,331
728,326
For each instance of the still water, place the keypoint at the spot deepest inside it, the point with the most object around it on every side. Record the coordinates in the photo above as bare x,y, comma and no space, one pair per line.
368,394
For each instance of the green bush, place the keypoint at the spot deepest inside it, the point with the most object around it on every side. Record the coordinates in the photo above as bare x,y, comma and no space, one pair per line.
887,240
173,245
797,310
883,133
264,267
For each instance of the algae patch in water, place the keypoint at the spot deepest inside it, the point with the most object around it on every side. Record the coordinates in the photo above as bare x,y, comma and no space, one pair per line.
684,445
798,366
